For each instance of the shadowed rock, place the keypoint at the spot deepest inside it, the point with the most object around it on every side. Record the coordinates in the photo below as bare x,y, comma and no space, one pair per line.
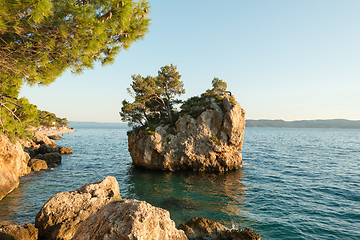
200,229
16,232
52,159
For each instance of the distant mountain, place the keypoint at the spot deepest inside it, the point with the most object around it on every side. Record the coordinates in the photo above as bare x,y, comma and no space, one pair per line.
329,123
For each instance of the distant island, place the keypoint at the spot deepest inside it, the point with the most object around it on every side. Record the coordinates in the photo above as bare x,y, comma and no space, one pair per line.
328,123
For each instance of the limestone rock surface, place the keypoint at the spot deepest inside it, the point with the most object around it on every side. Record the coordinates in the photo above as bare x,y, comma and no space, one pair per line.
200,229
61,215
13,164
17,232
37,164
129,220
65,150
41,138
210,142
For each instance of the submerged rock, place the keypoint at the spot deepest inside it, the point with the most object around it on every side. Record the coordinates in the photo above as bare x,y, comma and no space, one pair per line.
13,164
209,142
200,229
61,215
129,219
16,232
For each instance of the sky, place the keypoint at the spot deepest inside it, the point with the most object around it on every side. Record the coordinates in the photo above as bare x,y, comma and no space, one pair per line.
282,59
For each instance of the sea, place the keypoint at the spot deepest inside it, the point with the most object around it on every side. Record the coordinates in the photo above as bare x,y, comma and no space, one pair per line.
294,183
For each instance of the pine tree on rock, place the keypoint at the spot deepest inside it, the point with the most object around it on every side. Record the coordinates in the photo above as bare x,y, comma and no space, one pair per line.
154,97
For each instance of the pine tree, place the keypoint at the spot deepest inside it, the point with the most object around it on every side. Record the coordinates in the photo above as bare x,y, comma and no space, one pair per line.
154,97
40,39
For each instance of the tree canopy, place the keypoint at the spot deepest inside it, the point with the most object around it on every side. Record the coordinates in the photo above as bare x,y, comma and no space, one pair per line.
40,39
218,87
154,97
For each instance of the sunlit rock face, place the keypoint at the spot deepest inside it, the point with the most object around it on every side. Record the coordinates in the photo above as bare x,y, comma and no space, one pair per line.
62,214
13,164
210,142
129,219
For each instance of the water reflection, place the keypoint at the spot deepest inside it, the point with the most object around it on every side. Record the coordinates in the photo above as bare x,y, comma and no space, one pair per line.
217,196
14,207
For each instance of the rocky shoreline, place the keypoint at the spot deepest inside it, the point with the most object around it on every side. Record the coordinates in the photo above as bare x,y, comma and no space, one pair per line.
97,211
19,157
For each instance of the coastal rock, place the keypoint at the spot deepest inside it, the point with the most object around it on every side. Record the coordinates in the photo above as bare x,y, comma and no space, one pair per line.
16,232
37,164
129,219
52,159
200,229
55,137
246,234
210,142
65,150
41,138
61,215
13,164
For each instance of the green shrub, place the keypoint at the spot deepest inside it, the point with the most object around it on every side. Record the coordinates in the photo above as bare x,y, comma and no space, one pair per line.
150,132
214,139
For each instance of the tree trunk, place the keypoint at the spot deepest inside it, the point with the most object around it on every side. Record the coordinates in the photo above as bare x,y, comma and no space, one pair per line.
168,109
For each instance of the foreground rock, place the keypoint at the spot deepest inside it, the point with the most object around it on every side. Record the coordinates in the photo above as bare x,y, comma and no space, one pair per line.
200,228
16,232
61,215
210,142
129,219
13,164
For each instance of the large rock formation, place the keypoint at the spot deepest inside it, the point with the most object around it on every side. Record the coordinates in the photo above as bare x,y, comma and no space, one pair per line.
200,229
16,232
210,142
61,215
13,164
129,219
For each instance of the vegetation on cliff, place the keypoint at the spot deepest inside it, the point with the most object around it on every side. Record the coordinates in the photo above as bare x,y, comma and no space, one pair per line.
40,39
155,99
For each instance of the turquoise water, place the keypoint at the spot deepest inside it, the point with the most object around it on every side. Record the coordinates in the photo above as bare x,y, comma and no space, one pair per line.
295,183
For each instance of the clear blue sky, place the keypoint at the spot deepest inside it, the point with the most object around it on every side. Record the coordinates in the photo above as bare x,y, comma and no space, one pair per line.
282,59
